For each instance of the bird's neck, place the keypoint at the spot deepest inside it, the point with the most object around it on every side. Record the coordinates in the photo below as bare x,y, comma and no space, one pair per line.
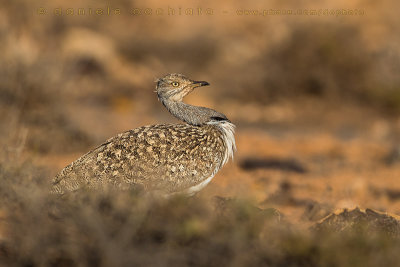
190,114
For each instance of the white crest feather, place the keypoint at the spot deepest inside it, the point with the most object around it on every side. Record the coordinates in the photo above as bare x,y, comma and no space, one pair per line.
228,130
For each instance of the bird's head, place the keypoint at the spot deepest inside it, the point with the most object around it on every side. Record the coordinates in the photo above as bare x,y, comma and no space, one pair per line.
175,86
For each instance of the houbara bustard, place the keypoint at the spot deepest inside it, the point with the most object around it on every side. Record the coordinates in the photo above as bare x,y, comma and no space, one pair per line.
165,158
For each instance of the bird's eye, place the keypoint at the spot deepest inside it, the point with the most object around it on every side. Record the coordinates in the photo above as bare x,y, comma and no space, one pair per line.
175,84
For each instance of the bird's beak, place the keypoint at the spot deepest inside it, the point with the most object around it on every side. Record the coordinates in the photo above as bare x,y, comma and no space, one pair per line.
200,83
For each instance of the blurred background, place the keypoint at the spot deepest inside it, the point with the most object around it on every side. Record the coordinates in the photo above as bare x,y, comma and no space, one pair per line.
315,97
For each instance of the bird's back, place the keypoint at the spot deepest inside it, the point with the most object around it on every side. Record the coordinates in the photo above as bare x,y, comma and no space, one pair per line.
168,157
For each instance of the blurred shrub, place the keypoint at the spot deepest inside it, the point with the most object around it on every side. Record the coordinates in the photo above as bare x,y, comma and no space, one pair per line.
324,60
329,61
125,229
30,97
319,60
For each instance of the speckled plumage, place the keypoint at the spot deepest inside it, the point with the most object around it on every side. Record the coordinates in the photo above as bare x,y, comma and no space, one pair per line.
169,158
